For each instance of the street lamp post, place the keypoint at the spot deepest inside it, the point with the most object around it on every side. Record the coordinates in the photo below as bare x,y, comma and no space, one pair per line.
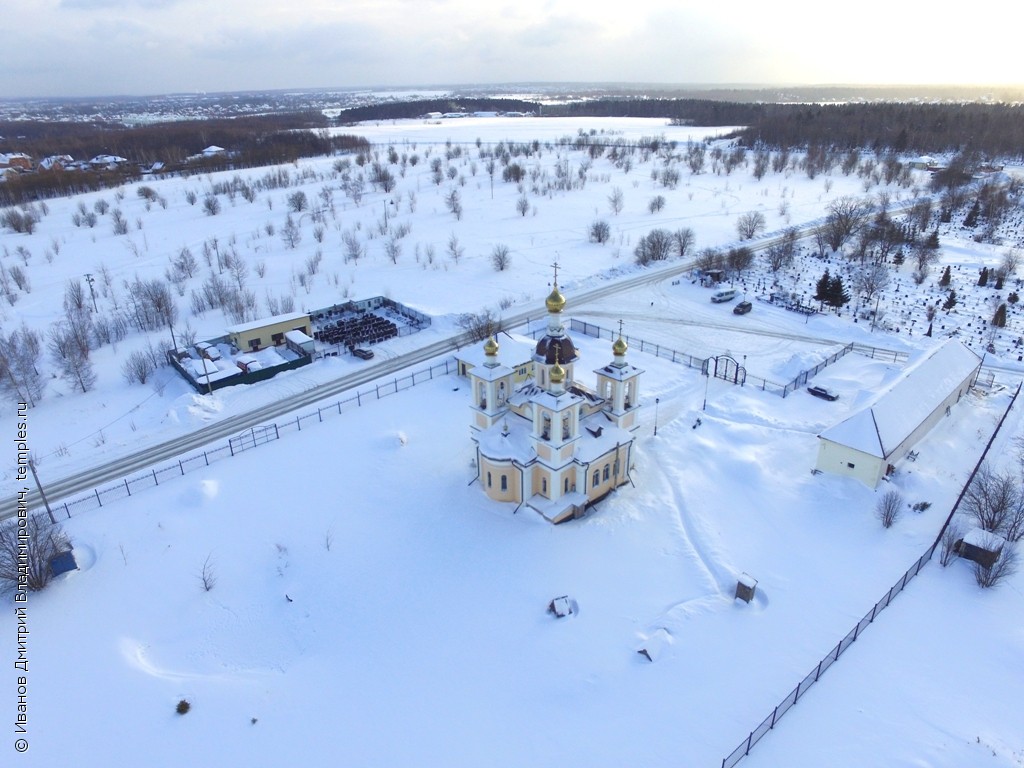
656,401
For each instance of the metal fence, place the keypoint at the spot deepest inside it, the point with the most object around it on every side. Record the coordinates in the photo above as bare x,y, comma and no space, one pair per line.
244,441
832,656
803,376
692,361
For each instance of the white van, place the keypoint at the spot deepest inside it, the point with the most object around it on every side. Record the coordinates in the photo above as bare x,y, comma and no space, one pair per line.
724,294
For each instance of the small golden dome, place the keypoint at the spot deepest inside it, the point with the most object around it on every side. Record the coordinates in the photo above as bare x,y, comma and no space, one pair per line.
557,374
491,346
555,301
619,347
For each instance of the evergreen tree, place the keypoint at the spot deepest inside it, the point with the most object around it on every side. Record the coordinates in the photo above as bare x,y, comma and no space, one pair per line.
983,277
837,293
950,301
999,319
898,258
999,281
971,220
821,289
946,277
932,241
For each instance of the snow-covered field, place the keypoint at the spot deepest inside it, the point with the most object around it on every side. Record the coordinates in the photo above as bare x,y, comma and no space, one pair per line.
371,606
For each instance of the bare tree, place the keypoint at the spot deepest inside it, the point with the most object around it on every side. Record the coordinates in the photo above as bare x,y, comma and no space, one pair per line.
523,205
889,506
616,200
291,235
684,240
750,225
656,245
845,216
20,377
1000,570
211,205
354,248
138,367
600,232
995,502
75,366
739,259
953,533
870,280
207,575
26,552
454,249
453,202
500,258
479,326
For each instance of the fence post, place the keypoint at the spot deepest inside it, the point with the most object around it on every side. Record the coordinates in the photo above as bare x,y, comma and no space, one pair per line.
181,467
67,511
230,448
98,499
126,487
208,458
155,481
298,423
319,414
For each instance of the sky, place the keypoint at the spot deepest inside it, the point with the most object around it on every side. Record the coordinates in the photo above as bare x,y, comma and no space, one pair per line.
149,47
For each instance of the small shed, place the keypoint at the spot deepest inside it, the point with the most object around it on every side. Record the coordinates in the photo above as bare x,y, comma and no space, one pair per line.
746,587
980,546
299,342
63,562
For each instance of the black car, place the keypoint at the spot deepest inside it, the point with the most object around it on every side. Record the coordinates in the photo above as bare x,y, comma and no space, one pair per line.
742,308
824,394
363,354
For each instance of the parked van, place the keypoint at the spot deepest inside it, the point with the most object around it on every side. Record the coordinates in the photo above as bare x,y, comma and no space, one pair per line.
724,294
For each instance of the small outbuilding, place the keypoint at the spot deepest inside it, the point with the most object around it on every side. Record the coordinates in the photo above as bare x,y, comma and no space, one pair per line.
980,546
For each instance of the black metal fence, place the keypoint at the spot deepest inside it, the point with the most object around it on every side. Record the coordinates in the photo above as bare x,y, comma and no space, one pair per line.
692,361
814,675
803,376
244,441
830,658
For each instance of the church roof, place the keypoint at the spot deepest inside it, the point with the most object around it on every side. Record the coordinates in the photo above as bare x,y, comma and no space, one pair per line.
551,348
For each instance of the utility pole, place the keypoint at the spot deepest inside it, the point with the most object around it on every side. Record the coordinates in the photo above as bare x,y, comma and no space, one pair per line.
42,495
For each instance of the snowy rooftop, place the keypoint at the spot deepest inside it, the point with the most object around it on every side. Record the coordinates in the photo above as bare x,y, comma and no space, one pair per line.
878,429
262,322
514,350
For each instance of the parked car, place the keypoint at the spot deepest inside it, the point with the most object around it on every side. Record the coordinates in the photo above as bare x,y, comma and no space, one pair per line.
742,308
363,354
823,393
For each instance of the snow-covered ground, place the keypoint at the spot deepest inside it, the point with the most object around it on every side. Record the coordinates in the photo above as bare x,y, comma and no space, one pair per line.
372,605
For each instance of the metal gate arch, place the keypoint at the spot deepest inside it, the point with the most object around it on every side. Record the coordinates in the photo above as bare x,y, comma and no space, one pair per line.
725,367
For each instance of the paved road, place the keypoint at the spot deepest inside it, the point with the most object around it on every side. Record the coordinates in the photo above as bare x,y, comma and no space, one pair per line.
117,468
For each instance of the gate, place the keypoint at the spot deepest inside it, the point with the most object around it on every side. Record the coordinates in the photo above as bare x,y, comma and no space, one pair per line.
725,367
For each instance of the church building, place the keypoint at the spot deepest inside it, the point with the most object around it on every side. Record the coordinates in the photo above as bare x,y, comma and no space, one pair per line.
548,441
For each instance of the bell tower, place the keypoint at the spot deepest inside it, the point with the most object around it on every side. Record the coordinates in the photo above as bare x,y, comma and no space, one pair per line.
618,383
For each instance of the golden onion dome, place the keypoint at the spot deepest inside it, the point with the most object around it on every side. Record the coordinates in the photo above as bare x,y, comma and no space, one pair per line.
555,301
491,347
619,347
557,374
